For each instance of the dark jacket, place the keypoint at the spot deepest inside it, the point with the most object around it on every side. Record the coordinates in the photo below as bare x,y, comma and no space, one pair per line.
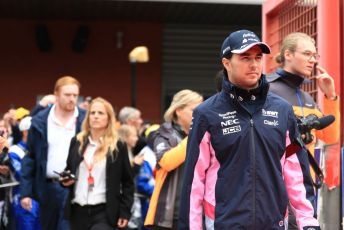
236,168
34,165
119,181
288,86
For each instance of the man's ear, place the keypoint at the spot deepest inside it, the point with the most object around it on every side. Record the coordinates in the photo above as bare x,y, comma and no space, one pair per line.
177,112
226,63
288,55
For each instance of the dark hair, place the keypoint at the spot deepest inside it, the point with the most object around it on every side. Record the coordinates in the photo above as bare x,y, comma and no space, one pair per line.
218,80
228,55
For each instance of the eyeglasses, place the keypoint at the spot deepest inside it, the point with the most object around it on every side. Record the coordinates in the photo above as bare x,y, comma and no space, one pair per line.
310,55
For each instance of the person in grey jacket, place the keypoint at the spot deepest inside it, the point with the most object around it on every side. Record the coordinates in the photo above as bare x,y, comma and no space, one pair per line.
163,212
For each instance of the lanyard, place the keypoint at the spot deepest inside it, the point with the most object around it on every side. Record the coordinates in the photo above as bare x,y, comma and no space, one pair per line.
90,179
299,99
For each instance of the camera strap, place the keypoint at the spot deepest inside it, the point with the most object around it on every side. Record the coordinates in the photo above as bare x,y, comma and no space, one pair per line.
295,147
318,172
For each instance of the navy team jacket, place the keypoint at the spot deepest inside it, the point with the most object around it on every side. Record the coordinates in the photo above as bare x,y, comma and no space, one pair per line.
236,169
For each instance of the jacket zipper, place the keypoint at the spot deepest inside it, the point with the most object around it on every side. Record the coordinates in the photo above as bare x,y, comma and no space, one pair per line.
253,158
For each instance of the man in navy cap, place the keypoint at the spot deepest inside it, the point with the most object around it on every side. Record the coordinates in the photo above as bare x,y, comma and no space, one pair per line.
245,160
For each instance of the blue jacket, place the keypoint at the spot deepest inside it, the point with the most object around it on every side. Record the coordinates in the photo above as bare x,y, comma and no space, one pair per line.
24,219
34,164
236,168
145,186
145,180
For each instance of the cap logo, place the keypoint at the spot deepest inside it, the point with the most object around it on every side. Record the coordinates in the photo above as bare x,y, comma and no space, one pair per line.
226,49
243,46
244,41
253,39
249,35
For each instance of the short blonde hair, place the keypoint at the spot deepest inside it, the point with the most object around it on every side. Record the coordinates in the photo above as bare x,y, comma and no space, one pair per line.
66,80
125,130
290,43
180,100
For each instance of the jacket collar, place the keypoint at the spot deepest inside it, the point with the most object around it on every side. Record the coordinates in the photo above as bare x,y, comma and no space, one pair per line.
290,79
39,121
167,129
240,94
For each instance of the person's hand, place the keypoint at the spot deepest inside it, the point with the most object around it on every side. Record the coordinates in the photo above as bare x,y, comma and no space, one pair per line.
10,118
4,170
84,105
138,159
66,178
48,99
67,183
26,203
122,223
3,141
325,83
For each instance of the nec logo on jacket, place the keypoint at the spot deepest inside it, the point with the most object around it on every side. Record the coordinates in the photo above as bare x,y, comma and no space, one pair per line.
229,122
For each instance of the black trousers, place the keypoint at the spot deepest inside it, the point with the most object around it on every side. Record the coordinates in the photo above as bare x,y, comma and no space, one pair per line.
89,217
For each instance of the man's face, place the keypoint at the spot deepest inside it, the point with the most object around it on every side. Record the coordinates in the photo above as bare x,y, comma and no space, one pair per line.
244,70
302,60
67,96
136,121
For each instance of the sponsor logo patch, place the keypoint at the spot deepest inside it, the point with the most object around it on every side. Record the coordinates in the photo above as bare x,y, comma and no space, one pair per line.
233,129
268,113
229,122
272,123
228,115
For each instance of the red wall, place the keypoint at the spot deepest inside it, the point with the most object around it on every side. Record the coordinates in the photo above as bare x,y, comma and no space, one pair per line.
102,69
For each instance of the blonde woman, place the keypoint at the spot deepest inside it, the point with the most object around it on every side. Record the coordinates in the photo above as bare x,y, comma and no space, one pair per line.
102,194
170,148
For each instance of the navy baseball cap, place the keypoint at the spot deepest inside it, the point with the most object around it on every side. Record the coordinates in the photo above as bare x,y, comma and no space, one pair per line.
240,41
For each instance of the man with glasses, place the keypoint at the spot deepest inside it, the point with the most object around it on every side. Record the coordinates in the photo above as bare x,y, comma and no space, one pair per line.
297,58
